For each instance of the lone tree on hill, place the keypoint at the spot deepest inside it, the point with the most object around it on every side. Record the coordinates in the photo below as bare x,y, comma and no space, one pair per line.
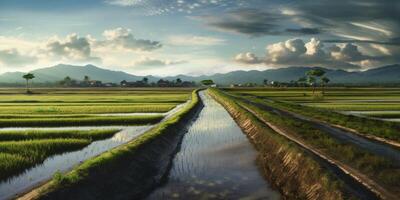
28,77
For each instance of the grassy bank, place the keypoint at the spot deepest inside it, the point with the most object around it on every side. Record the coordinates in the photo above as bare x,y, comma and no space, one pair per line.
285,165
377,168
20,150
383,129
103,171
87,121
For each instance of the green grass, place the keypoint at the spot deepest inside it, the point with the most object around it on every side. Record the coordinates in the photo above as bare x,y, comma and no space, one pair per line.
53,134
20,150
383,129
18,156
108,161
357,106
88,121
84,109
290,164
383,115
376,167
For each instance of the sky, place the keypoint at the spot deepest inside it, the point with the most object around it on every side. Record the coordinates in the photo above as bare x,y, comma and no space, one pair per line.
196,37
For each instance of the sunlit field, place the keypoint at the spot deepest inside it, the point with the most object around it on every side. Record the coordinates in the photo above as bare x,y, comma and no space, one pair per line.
67,107
300,113
337,99
22,148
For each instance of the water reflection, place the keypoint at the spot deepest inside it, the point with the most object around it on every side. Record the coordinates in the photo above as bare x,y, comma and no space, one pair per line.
215,161
64,162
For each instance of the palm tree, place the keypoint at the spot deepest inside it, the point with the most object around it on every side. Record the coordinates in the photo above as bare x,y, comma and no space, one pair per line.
28,77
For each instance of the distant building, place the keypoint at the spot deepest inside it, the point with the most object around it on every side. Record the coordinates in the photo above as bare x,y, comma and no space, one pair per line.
95,83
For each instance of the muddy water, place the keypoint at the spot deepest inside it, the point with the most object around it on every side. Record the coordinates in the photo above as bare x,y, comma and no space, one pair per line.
215,161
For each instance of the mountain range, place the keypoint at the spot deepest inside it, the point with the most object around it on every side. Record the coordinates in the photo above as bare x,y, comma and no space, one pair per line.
385,74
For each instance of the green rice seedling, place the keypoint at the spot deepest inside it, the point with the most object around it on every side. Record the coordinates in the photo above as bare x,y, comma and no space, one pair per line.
16,156
18,135
108,161
85,109
88,121
384,129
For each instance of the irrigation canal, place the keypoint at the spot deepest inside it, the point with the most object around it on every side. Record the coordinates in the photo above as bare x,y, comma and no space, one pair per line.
215,161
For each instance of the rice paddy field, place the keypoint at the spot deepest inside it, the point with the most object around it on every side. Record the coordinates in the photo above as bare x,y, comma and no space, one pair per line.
68,107
371,102
26,139
369,111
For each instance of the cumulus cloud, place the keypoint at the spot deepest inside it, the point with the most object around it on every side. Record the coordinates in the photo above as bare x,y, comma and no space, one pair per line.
72,48
312,53
147,62
122,38
13,58
247,58
75,49
193,40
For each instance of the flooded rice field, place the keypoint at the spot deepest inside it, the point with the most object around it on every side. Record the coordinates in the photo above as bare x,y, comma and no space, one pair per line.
64,162
215,161
370,114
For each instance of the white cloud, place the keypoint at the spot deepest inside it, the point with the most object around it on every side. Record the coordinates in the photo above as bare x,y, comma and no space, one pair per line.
193,40
12,57
287,51
296,52
152,62
247,58
122,38
72,48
